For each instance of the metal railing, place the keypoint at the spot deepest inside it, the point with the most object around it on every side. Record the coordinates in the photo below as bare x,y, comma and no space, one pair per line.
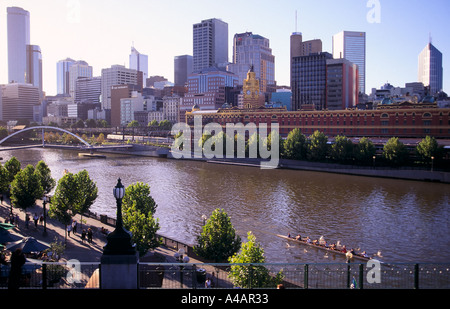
76,275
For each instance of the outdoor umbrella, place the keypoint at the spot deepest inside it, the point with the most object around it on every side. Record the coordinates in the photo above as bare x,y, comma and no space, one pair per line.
6,226
6,236
28,244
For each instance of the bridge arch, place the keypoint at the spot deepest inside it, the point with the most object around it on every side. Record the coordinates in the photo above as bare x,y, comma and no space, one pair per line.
46,127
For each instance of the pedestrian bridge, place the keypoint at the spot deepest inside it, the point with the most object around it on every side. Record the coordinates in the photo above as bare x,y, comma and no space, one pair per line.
85,145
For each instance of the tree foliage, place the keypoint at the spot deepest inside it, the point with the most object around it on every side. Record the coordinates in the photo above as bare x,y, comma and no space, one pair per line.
365,150
218,240
26,188
246,275
45,177
295,145
138,209
342,149
427,148
317,146
394,151
13,166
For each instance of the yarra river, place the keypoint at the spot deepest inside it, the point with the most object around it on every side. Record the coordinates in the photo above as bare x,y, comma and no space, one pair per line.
407,220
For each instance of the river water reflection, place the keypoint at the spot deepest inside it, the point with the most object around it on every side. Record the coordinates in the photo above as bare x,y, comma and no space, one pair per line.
407,220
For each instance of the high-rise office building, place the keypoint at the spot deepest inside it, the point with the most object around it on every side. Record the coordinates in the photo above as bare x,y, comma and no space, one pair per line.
18,101
76,70
351,45
88,89
18,25
34,67
62,75
253,51
118,75
182,69
139,62
309,81
342,84
210,38
430,71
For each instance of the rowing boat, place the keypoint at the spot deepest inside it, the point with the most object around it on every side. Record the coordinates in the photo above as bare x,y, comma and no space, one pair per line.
347,254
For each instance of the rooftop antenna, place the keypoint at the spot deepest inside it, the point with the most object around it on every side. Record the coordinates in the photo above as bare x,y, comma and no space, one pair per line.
295,20
430,40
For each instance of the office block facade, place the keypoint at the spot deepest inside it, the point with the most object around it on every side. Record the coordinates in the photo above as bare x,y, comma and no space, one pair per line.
182,69
18,101
351,45
139,62
342,84
117,75
18,35
78,69
430,71
210,44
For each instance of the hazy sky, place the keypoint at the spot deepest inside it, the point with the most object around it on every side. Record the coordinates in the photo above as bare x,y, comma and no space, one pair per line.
101,32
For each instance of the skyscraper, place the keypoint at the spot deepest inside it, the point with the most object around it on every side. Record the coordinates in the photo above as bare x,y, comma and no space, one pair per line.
18,24
139,62
430,71
252,50
182,69
62,75
18,101
342,84
210,44
34,67
351,45
76,70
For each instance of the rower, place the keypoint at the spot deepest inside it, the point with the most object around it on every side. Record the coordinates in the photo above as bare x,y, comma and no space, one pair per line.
298,237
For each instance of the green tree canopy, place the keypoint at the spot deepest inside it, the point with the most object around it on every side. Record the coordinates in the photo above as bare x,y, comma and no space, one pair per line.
138,209
165,125
13,166
395,152
295,145
427,148
365,150
251,276
26,188
133,124
218,240
317,146
45,177
4,179
342,149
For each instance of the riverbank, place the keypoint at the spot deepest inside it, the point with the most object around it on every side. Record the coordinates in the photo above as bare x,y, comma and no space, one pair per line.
404,173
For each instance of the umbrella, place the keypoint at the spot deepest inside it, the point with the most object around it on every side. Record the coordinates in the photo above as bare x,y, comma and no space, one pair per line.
6,236
28,244
6,226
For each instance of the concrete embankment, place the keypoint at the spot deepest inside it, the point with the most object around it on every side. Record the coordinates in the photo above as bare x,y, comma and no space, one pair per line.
369,171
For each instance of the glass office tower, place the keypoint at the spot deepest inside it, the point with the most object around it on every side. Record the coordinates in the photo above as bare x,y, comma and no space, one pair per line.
430,68
18,25
351,45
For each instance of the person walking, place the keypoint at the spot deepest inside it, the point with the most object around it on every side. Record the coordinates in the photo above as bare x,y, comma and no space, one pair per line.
69,229
74,227
89,235
36,219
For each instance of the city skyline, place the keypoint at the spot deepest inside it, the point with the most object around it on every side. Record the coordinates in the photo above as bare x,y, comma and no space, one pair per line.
90,31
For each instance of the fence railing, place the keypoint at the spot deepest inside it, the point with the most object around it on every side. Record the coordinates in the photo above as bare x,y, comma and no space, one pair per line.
80,275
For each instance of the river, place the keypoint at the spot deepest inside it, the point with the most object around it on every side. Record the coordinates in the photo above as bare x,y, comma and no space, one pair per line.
407,220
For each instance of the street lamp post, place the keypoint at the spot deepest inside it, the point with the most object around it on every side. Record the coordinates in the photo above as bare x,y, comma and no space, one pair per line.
119,241
432,163
181,258
44,203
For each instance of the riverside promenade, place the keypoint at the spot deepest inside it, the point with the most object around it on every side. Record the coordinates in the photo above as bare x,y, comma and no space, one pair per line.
82,251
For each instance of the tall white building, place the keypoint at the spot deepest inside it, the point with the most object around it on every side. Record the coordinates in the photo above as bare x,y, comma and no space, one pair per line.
34,67
351,45
139,62
18,25
430,71
210,44
76,70
62,75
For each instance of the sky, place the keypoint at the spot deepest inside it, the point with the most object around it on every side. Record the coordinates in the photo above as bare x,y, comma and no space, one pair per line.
101,32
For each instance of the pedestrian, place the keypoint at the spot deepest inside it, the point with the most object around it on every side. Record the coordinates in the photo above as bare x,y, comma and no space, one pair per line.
35,218
89,235
16,219
27,220
69,229
83,235
41,219
74,227
17,261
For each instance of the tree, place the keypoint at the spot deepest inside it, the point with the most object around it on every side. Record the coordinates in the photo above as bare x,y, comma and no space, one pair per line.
317,146
3,132
75,193
218,240
26,188
365,150
13,167
138,209
271,137
251,276
165,125
295,145
153,123
394,151
428,148
133,124
45,177
4,179
342,149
